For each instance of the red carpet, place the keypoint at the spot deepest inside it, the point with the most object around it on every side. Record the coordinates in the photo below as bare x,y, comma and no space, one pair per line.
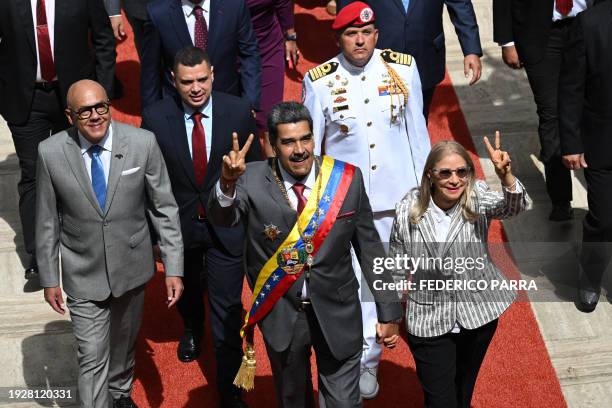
517,371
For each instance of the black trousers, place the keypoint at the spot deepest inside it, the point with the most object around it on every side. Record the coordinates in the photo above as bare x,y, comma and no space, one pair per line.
338,379
427,98
597,229
223,275
544,81
46,118
448,365
138,29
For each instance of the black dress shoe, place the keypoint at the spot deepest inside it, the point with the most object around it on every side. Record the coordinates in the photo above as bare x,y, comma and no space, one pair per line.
189,347
561,212
588,300
124,402
31,272
233,401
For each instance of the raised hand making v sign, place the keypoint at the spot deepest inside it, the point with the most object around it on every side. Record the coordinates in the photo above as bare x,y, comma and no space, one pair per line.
234,164
501,161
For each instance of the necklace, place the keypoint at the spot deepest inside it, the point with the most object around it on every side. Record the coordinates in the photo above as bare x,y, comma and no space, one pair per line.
306,238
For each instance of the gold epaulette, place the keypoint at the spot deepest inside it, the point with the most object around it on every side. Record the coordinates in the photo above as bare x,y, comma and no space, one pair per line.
322,70
395,57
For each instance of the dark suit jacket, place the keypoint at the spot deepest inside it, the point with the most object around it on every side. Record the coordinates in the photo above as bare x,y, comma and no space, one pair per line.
527,23
585,88
84,47
420,31
333,285
230,39
166,119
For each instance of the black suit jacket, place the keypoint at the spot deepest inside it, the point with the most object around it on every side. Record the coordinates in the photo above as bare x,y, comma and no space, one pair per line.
166,120
419,31
333,285
585,88
527,23
231,39
84,47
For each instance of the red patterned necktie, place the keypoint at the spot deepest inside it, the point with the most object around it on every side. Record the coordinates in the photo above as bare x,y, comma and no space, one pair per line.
45,57
565,6
299,188
198,146
201,29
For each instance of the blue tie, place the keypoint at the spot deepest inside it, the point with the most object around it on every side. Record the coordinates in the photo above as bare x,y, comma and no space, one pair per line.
98,180
406,4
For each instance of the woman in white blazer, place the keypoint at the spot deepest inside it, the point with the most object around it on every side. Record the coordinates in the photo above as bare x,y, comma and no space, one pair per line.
451,310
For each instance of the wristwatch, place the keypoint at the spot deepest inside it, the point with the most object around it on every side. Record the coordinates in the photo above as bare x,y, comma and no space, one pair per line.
291,37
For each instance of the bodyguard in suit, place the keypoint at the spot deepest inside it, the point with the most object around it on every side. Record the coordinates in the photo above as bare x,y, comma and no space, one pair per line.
136,12
532,35
447,218
222,28
35,76
193,136
585,127
415,27
304,288
97,185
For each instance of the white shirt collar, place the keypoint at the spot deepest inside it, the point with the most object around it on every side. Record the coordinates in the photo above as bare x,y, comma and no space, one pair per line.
439,214
289,180
206,109
189,6
106,143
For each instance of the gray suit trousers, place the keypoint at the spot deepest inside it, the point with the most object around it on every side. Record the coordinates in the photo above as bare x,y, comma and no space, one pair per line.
106,335
338,380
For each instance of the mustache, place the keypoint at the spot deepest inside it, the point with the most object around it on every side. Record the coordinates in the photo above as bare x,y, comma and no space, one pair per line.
299,157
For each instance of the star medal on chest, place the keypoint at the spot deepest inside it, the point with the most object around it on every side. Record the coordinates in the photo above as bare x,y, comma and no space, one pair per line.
271,231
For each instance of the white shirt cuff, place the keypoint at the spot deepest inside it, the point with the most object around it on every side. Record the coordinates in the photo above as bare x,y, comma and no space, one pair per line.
510,44
518,189
224,201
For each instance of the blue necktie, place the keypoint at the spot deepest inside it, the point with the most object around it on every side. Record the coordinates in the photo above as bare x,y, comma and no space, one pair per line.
406,4
98,180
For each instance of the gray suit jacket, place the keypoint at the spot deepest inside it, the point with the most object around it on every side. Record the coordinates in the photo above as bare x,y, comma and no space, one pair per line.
333,285
107,250
432,313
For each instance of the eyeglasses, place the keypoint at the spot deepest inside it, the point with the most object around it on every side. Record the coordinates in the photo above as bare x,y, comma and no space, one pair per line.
461,172
85,112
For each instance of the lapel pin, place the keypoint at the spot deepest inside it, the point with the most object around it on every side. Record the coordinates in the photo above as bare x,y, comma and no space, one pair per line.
119,156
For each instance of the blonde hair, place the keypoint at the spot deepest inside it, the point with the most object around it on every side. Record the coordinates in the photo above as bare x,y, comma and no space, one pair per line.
424,191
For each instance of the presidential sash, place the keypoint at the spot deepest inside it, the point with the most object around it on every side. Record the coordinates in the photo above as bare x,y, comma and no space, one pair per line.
286,265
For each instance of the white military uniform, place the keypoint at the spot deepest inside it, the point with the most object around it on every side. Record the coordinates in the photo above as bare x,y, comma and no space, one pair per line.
359,117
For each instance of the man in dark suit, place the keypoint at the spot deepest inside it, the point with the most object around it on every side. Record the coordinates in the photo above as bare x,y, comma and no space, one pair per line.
305,290
136,12
35,77
193,136
98,183
585,127
415,27
222,28
532,35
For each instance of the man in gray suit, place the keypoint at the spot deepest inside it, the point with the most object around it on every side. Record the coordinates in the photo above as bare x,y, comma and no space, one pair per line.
98,185
310,260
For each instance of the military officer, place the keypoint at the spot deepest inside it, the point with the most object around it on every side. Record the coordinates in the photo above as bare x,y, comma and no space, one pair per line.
367,110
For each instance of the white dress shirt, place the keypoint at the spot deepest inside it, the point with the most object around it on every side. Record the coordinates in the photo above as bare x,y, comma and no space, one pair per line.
190,17
206,122
288,182
579,5
50,11
105,153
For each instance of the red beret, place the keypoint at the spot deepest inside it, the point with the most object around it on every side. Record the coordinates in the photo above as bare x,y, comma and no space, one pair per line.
356,14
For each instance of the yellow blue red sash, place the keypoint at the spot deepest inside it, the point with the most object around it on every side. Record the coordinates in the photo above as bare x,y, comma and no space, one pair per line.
273,281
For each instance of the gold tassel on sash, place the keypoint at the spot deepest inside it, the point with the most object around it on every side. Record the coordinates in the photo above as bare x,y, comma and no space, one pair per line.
245,378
